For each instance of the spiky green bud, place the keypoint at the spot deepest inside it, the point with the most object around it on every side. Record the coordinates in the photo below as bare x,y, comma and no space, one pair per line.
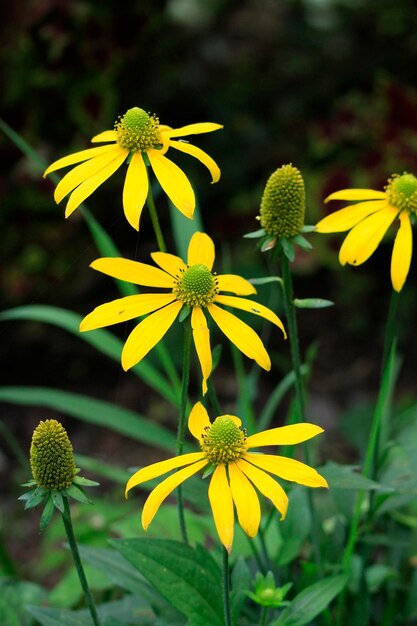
283,203
51,456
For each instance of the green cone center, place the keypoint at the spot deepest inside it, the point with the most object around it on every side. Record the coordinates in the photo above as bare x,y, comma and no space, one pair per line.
283,203
402,192
196,286
51,456
138,131
224,441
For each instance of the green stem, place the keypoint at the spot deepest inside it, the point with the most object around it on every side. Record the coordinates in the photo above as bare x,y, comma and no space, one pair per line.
66,518
155,221
263,616
214,401
226,588
182,419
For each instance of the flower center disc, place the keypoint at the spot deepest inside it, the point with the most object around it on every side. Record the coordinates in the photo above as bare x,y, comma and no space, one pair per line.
402,192
138,131
197,286
224,441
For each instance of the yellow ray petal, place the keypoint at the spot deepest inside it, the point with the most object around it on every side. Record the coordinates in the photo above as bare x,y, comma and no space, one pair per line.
288,469
402,252
169,262
147,334
201,250
221,503
133,272
80,173
362,241
266,485
201,156
78,157
163,467
162,491
251,307
347,218
357,194
88,186
234,419
174,182
241,335
236,284
284,436
201,336
106,135
125,309
198,421
194,129
246,500
135,190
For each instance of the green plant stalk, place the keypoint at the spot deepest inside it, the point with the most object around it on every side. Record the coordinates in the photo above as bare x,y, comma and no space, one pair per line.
226,588
182,419
66,518
155,221
264,613
243,389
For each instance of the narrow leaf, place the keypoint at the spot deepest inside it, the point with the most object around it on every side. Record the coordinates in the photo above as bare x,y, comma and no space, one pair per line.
255,234
47,514
312,303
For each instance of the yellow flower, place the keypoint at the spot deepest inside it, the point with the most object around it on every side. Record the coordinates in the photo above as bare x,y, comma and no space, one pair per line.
225,447
370,218
139,137
193,285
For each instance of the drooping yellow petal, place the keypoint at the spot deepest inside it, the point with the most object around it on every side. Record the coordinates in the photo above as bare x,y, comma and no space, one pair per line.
284,435
347,218
200,155
288,469
169,262
402,252
242,335
147,334
201,336
125,309
201,250
162,491
357,194
174,182
362,241
86,188
221,503
135,190
194,129
106,135
80,173
266,485
236,284
246,500
163,467
251,307
133,272
78,157
198,421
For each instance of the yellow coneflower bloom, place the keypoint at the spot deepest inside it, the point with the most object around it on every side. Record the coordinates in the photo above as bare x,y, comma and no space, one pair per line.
369,220
225,447
193,285
139,137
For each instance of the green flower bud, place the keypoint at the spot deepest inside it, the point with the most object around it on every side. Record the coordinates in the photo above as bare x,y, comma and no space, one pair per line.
283,203
51,456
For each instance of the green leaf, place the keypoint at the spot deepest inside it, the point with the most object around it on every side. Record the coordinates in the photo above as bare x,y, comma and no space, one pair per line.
241,582
14,595
346,477
268,243
47,514
187,577
312,303
275,398
288,249
308,229
58,501
85,482
255,234
184,313
184,228
311,602
34,498
106,470
265,280
295,528
77,494
302,242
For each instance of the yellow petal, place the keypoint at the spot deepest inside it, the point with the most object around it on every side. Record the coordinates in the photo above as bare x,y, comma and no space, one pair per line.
158,495
201,336
401,253
251,307
78,157
288,469
106,135
135,190
357,194
194,129
88,186
362,241
221,503
234,419
266,485
241,335
198,421
201,250
169,262
133,272
347,218
284,436
125,309
200,155
158,469
236,284
147,334
80,173
174,182
246,500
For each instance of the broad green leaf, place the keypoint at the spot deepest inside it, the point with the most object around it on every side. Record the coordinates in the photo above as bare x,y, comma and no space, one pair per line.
346,477
241,583
14,595
295,528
